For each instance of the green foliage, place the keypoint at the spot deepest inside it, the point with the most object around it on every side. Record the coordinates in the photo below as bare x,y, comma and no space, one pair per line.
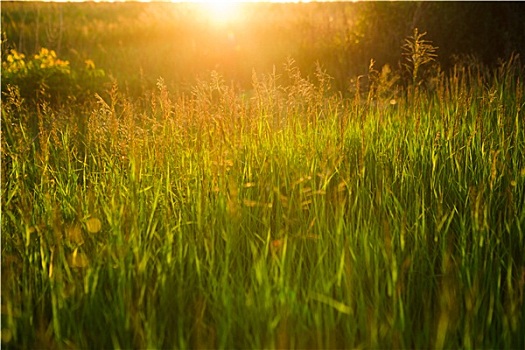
291,217
285,215
45,77
179,41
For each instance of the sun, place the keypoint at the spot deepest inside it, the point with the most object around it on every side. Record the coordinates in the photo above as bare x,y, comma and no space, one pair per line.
222,11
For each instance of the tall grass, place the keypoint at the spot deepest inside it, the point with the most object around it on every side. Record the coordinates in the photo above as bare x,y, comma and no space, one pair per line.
282,217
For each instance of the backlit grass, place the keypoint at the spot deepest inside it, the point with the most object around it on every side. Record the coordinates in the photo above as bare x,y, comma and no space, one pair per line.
283,217
273,212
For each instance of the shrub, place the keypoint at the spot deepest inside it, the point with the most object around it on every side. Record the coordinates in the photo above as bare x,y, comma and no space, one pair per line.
45,77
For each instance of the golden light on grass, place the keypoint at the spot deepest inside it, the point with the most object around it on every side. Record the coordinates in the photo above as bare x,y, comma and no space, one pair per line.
78,259
93,225
251,203
7,335
73,233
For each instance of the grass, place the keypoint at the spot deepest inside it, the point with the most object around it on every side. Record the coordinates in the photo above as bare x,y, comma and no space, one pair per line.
283,216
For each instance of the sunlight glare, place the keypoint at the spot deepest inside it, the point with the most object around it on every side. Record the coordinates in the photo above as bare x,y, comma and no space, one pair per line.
222,11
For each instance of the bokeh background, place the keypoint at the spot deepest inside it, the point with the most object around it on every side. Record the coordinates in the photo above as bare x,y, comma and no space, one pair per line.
138,43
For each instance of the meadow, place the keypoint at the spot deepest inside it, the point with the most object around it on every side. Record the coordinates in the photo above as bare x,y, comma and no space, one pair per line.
255,206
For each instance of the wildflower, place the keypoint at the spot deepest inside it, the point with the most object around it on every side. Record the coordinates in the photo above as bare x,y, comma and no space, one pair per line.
90,65
14,62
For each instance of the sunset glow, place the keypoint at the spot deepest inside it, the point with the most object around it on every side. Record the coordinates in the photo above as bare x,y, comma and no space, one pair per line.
220,12
262,174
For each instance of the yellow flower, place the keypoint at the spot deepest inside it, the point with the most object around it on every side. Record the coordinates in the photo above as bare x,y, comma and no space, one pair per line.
15,55
14,61
89,64
42,54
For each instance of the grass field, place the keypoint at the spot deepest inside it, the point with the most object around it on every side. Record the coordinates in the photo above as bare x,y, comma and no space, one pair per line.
274,213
